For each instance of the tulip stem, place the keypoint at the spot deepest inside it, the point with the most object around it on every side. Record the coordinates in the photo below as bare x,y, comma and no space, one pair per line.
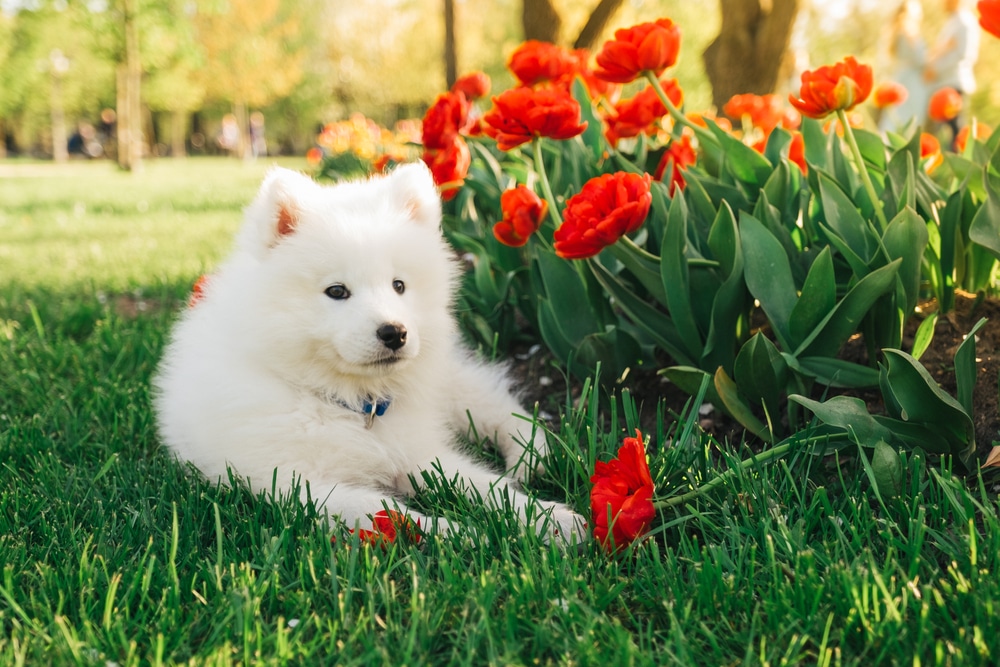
675,113
536,145
859,160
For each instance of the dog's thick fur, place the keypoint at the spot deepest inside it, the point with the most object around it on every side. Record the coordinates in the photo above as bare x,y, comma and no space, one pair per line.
333,298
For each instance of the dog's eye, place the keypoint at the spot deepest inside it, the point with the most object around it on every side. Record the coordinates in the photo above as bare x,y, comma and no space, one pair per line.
398,286
337,292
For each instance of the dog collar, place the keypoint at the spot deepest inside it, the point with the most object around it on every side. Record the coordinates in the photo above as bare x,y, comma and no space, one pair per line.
370,408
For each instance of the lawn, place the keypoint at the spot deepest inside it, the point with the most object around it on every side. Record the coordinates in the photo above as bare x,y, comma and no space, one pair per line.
112,553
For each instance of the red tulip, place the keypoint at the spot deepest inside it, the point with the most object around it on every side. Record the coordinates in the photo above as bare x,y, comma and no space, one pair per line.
945,104
797,151
521,114
387,526
930,152
445,120
989,16
449,166
314,156
833,87
647,47
982,132
636,115
606,207
621,500
764,111
791,119
537,62
598,88
197,291
523,212
473,85
679,154
889,94
929,145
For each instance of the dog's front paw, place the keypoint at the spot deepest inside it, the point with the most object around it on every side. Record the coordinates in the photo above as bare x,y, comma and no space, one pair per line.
560,523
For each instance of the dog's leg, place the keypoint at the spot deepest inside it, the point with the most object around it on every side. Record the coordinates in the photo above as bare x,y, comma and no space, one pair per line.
551,518
483,392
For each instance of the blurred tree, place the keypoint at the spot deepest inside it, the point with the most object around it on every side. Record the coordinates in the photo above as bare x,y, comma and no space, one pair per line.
120,28
129,78
450,44
253,54
6,97
542,20
384,56
747,55
174,59
29,90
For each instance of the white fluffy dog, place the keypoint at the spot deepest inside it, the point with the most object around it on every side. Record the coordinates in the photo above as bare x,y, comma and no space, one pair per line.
325,350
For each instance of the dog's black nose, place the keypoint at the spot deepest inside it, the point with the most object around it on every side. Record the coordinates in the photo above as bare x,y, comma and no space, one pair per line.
393,336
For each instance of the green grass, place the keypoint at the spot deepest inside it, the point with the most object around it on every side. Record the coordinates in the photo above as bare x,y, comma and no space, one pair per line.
111,552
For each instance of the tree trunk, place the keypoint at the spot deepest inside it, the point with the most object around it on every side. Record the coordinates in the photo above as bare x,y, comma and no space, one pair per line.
450,45
746,56
243,122
178,125
596,24
129,102
541,21
122,124
60,136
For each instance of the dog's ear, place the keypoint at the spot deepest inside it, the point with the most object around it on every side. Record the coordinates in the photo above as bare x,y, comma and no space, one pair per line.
413,190
277,209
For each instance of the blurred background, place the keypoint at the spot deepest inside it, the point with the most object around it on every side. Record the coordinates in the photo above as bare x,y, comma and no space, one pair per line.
128,79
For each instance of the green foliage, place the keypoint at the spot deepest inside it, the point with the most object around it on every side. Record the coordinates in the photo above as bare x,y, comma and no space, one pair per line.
843,245
920,416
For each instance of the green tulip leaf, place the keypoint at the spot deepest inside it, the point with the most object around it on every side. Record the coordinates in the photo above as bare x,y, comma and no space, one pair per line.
835,372
872,149
676,279
567,302
655,323
593,136
735,405
887,470
831,333
723,239
965,367
731,298
849,413
859,266
924,335
985,227
905,238
742,161
843,217
911,395
768,275
761,373
818,297
689,380
814,141
950,222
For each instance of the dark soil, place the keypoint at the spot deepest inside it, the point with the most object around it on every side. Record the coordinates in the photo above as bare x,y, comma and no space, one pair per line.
541,379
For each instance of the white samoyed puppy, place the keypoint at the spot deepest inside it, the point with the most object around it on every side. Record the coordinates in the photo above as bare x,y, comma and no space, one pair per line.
325,351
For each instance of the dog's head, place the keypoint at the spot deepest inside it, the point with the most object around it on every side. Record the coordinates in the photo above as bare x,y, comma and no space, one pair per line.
352,280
